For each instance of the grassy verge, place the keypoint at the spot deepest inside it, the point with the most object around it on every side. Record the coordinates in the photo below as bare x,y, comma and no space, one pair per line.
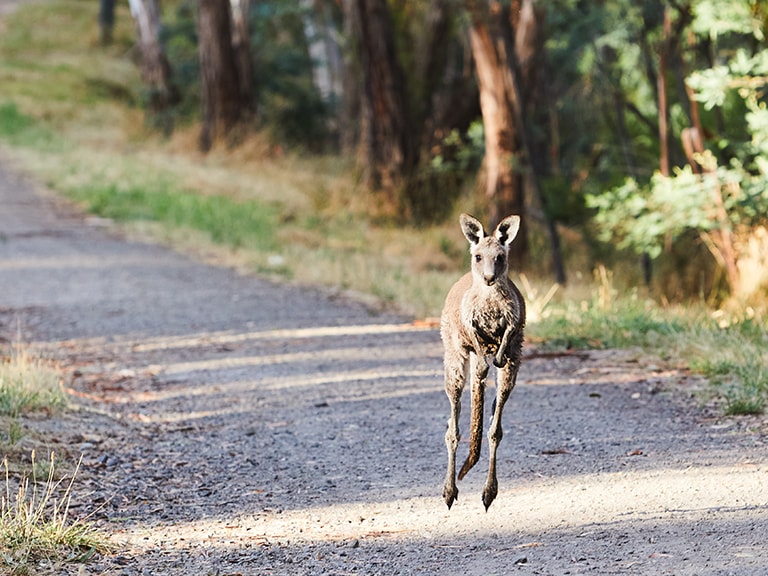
35,524
731,349
36,529
27,383
68,111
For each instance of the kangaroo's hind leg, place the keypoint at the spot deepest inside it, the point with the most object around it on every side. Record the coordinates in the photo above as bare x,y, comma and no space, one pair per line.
478,370
505,382
455,377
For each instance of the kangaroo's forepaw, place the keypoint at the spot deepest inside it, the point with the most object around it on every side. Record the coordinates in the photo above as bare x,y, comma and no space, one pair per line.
450,494
489,494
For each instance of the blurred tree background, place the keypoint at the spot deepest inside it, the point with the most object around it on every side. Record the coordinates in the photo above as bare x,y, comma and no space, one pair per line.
637,131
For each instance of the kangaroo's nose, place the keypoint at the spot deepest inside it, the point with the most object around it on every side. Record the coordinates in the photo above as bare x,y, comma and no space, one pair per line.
489,279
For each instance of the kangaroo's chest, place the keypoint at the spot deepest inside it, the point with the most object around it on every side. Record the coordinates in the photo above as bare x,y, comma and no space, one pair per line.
488,318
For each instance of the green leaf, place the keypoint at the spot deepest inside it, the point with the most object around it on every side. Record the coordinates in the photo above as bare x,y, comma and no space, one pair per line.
711,85
719,17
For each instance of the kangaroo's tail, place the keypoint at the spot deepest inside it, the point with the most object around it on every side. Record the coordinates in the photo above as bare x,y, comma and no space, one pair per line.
475,430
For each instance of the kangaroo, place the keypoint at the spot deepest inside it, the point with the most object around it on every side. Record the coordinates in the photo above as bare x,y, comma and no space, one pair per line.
483,317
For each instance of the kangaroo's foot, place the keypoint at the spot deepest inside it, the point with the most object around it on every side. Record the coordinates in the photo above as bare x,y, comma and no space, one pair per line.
450,494
489,493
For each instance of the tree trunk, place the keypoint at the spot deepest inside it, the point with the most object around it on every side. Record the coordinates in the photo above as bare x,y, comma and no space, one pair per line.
241,45
431,56
629,158
503,180
106,21
722,238
524,80
324,51
155,69
350,117
662,91
325,54
390,153
221,94
620,107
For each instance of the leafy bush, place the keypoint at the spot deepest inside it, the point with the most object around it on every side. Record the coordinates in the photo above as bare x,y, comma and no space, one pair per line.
725,194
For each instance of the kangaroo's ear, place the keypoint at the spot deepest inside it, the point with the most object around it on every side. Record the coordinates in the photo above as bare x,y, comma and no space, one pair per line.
472,229
507,230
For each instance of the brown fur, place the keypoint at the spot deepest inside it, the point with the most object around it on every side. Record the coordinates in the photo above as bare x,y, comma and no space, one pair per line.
483,316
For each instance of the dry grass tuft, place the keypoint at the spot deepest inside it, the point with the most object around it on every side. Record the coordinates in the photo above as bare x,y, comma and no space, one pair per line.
27,383
35,523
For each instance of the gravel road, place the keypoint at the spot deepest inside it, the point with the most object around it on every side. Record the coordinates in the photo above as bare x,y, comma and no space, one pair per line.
231,425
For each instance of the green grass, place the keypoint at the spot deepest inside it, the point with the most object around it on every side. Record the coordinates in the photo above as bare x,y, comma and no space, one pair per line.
150,195
27,383
13,122
236,224
733,354
18,129
572,326
36,526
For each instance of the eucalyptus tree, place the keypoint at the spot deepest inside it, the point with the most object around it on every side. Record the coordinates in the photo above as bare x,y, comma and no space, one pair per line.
506,40
156,74
226,93
386,134
402,59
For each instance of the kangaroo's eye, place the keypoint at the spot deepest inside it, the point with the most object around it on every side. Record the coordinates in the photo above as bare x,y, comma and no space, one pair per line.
478,258
499,259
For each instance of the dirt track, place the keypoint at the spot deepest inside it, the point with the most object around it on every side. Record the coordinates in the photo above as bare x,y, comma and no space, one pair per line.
234,426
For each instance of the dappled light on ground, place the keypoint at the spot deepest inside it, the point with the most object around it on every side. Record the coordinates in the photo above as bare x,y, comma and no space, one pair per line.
229,337
637,519
573,503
